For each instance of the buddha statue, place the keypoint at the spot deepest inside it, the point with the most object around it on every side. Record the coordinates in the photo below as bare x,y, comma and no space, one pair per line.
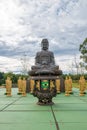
44,61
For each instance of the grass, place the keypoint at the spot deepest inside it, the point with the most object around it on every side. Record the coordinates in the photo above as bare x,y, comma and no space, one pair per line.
75,84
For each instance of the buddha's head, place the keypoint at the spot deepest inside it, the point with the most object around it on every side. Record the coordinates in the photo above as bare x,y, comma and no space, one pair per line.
44,44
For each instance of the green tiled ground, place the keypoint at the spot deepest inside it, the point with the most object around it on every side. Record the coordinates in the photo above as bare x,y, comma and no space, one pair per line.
22,113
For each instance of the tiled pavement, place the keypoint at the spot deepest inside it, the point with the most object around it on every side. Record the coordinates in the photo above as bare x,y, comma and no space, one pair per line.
22,113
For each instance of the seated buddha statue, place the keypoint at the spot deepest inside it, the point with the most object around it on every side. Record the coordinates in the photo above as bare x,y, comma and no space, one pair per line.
44,61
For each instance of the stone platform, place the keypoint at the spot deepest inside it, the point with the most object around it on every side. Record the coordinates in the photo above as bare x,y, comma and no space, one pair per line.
22,113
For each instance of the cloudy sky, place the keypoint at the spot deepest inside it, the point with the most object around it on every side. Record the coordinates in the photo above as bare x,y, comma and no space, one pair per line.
23,24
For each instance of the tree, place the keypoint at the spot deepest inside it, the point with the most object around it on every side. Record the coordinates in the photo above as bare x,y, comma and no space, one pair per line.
82,67
25,64
83,50
1,78
75,65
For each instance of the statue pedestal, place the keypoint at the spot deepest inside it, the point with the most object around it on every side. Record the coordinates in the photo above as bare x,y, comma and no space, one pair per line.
45,103
44,88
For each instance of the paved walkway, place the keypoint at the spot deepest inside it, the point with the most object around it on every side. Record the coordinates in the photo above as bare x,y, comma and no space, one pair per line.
22,113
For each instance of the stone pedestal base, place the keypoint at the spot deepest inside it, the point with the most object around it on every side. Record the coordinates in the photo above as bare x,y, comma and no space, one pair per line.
45,103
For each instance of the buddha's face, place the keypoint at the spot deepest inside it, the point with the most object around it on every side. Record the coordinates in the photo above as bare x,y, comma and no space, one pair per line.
44,44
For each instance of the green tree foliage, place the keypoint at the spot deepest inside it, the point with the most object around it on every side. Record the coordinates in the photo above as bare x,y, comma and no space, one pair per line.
14,77
1,78
83,50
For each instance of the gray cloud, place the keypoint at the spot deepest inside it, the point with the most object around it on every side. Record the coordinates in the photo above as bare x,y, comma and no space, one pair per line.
25,23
